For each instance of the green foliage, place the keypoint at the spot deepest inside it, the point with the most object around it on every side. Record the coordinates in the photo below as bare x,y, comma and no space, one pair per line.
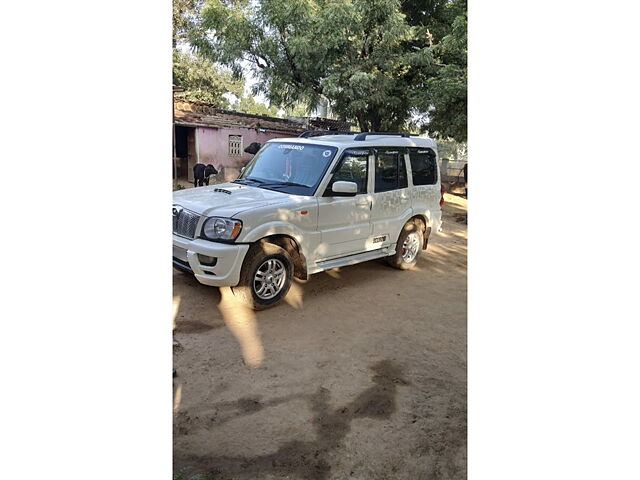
445,95
186,20
203,81
376,61
297,110
349,52
434,18
452,150
248,104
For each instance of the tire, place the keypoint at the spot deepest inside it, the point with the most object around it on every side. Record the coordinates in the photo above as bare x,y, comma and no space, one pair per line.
408,247
262,290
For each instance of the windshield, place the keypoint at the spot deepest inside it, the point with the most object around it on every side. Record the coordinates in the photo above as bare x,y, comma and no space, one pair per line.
288,167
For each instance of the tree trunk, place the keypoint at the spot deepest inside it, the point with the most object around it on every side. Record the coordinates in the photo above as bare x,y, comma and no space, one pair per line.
364,124
374,115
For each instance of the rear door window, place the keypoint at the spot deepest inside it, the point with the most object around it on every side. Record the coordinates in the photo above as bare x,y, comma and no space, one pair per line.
424,169
391,171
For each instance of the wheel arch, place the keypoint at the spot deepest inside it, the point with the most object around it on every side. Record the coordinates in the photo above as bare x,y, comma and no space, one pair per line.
291,245
423,222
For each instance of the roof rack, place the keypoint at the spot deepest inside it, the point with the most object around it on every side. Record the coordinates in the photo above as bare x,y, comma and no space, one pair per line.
320,133
363,135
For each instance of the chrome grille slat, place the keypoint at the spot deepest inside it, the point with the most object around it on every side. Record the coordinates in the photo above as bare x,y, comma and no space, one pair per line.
185,223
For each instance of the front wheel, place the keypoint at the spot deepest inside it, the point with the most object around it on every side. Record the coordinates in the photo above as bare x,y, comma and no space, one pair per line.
408,247
265,277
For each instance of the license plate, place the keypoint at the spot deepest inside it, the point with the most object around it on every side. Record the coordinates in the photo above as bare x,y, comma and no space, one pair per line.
180,253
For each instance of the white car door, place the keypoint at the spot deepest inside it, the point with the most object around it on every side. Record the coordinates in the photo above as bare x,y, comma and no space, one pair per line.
344,222
391,196
425,195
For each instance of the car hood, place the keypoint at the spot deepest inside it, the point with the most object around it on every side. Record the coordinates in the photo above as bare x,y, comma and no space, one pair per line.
226,199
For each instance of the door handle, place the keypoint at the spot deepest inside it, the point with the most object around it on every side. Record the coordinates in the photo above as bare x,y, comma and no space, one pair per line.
362,202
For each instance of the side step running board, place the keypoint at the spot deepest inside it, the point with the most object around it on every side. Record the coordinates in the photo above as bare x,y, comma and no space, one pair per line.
351,259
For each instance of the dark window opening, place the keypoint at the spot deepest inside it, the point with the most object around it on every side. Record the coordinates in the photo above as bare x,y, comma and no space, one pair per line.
424,169
391,171
353,168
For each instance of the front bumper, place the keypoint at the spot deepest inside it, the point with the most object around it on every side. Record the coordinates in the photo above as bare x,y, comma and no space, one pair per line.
223,271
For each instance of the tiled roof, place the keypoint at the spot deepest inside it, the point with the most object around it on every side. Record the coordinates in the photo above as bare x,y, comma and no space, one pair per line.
205,115
201,114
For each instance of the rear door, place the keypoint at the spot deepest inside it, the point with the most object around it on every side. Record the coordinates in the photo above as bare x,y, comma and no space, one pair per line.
345,222
391,197
426,194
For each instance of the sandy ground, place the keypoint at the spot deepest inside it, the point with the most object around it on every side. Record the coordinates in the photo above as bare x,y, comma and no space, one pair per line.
360,374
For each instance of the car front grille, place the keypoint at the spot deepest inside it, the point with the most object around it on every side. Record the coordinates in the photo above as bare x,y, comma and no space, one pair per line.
185,223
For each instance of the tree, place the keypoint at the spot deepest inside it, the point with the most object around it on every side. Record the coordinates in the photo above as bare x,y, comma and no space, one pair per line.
203,81
433,17
297,110
445,96
379,62
351,53
248,104
186,20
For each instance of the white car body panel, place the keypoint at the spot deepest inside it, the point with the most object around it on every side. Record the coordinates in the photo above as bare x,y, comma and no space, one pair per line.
344,224
330,231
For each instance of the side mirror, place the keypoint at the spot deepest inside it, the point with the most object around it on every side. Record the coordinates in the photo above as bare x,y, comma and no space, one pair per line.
344,189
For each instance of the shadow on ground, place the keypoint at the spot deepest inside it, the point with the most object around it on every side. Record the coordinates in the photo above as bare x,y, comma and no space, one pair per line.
303,459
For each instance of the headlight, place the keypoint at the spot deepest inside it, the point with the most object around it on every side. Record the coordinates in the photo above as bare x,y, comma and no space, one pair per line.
217,228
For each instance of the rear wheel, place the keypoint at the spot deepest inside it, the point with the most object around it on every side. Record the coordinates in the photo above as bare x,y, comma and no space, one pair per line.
265,277
408,247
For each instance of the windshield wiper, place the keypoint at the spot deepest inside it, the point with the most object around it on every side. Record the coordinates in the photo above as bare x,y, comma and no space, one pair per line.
283,184
244,180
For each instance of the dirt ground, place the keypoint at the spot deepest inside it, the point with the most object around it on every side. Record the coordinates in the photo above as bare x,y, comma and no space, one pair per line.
360,374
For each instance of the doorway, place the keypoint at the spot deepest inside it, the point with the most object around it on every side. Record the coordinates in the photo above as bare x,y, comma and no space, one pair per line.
184,153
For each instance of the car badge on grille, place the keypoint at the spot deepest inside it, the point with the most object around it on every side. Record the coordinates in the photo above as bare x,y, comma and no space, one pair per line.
176,210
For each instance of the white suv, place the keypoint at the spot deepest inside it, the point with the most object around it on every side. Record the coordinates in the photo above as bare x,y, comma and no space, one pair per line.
307,204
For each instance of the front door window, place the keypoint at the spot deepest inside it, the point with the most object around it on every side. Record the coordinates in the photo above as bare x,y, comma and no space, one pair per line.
353,168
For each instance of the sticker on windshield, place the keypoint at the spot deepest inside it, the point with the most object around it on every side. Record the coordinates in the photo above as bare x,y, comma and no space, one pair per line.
326,153
292,147
357,152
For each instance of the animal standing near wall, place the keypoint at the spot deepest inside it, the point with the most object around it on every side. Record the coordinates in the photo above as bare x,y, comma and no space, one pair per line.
253,148
201,174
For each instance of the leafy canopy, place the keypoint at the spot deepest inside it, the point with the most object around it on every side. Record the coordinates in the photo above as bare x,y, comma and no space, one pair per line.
445,94
378,62
203,81
351,52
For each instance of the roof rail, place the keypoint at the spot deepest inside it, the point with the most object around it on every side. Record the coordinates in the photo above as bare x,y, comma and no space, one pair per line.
320,133
363,136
